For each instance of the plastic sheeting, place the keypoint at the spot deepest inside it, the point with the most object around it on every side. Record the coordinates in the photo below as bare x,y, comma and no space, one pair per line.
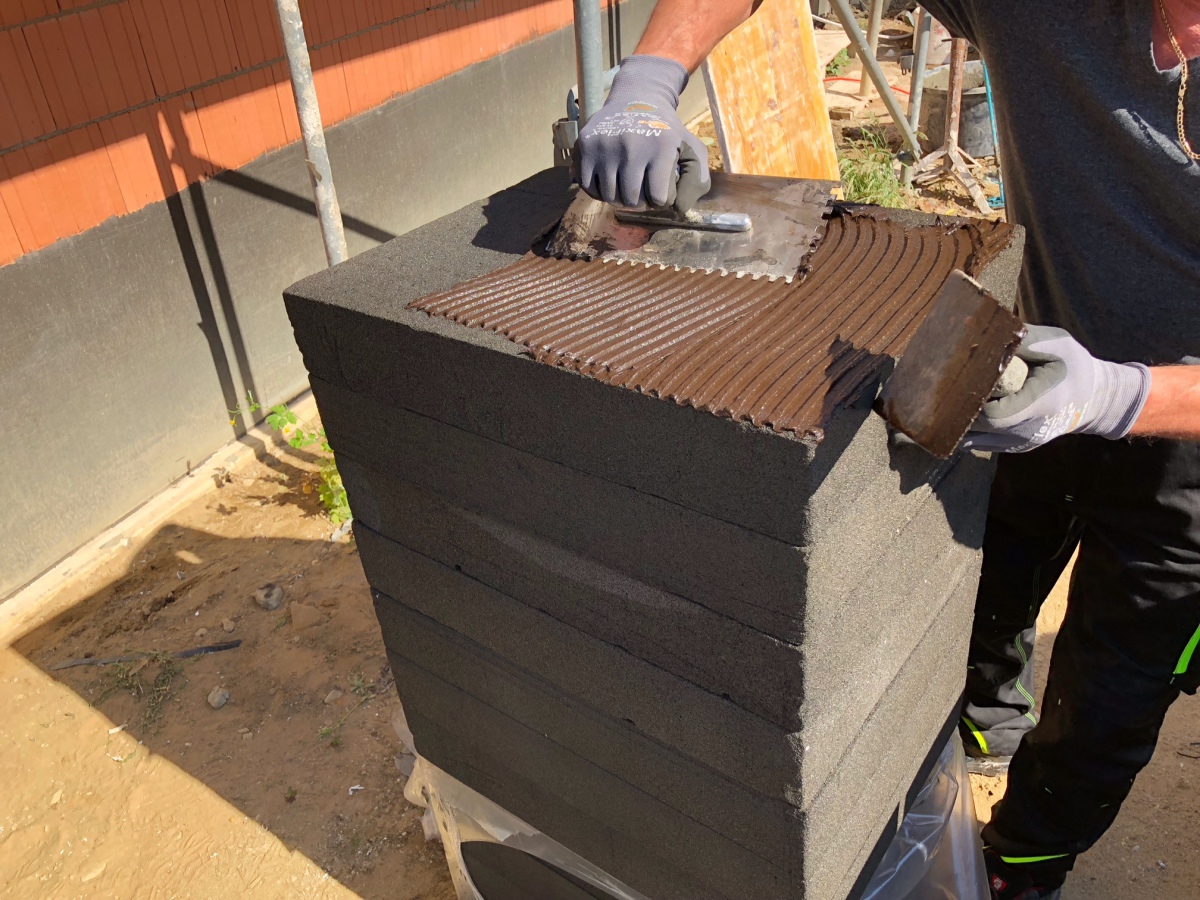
935,854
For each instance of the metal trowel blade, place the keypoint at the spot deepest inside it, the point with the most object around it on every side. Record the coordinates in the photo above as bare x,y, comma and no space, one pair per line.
951,366
786,222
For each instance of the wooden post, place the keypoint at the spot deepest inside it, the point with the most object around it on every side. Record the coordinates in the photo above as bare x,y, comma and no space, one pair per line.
958,65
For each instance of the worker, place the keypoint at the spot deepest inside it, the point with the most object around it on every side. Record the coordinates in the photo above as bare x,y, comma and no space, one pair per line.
1090,99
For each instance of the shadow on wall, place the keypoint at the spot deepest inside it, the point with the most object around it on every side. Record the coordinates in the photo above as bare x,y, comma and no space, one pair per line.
207,253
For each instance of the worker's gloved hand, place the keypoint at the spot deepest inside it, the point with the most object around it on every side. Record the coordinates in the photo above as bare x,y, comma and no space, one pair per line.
1068,391
635,151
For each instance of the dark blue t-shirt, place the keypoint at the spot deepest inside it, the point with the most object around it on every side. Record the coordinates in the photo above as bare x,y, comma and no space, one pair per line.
1094,170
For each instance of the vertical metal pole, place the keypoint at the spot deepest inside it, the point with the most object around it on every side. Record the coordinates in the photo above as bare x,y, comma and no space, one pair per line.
917,86
845,15
329,215
958,64
589,58
874,23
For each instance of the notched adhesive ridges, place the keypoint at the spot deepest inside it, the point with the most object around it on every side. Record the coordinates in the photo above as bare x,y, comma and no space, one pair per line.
777,354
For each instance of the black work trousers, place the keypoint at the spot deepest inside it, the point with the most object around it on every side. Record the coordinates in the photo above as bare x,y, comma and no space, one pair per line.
1125,650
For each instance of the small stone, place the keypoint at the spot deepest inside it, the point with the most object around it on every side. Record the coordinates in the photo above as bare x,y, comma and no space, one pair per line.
333,696
1011,378
218,697
247,736
269,596
201,632
57,796
227,626
304,616
243,730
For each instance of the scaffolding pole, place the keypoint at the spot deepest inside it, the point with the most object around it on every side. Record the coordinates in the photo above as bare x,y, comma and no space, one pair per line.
845,15
589,58
329,215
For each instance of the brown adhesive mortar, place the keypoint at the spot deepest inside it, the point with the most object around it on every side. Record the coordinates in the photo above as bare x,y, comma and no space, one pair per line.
777,354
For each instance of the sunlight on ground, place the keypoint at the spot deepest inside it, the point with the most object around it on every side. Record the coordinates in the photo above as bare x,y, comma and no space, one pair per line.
85,806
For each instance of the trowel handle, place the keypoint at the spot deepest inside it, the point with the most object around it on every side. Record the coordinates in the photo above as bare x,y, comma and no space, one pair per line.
1011,380
695,219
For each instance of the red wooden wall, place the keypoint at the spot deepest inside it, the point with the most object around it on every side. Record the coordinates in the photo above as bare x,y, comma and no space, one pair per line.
109,105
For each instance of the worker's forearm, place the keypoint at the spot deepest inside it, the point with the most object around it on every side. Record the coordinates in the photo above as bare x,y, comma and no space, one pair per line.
686,30
1172,408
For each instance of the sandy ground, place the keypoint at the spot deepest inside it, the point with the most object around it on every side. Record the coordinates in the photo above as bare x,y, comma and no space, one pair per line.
192,801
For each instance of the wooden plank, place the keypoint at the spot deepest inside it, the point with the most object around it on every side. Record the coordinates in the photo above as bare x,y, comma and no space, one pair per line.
767,97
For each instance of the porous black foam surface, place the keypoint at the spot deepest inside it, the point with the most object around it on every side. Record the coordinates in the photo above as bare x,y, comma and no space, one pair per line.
501,872
513,757
727,568
608,848
764,533
731,570
844,822
878,624
663,706
699,792
714,651
617,745
473,241
888,752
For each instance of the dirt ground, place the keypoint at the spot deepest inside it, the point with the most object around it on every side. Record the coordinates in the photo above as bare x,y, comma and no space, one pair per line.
308,718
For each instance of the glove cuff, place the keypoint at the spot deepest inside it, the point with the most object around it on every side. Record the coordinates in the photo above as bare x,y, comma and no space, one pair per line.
649,78
1121,392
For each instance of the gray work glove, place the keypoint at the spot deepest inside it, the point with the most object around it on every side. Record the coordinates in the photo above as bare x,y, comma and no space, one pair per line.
1068,391
635,151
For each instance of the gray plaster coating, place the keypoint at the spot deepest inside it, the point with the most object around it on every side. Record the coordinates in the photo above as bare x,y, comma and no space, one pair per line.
843,822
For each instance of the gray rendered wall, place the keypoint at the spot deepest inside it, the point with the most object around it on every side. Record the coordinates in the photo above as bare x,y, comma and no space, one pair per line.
123,348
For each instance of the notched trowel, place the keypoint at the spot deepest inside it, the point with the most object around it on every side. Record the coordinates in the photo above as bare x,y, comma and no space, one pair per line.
746,225
960,356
